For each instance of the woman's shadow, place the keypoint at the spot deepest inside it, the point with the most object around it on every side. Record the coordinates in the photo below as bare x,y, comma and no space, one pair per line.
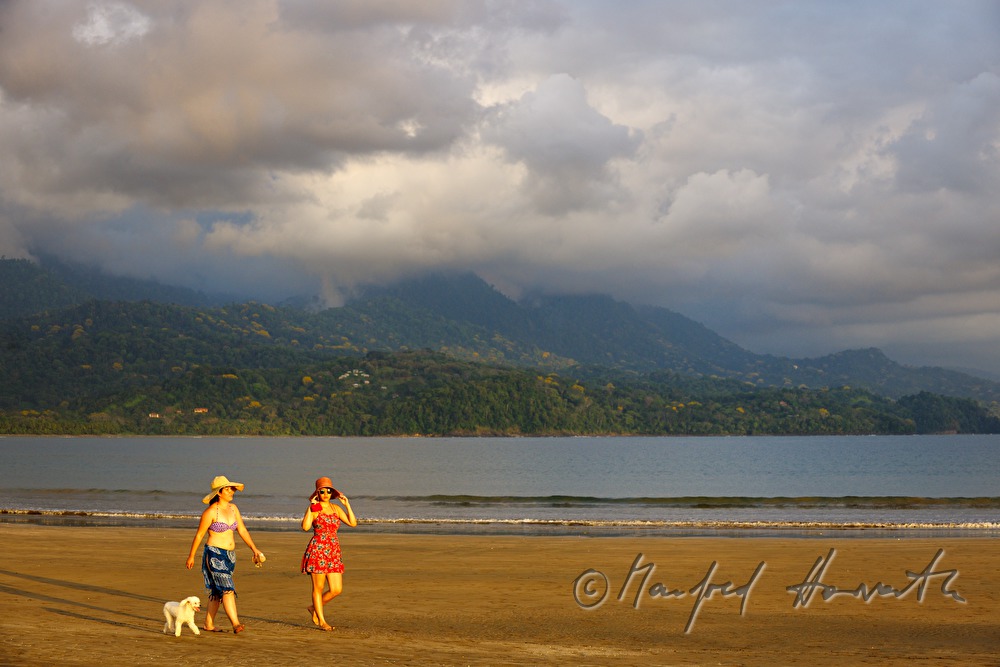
65,602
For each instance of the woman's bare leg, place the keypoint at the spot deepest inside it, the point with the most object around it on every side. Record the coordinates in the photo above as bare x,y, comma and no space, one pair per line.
319,599
213,609
336,583
229,604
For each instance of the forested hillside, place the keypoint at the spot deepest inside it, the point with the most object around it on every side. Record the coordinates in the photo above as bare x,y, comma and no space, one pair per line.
424,393
441,356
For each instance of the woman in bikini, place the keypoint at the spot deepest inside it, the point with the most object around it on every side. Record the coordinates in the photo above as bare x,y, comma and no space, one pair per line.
322,557
221,521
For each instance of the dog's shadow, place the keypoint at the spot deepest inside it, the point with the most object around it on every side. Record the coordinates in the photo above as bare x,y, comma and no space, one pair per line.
88,588
78,586
65,602
117,624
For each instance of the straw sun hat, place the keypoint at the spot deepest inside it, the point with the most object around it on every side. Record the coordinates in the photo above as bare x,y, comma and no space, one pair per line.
218,483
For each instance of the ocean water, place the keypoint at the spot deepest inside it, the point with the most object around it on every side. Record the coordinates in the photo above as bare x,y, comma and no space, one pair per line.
907,485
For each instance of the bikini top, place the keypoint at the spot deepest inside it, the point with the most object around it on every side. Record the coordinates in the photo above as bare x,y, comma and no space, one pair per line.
220,526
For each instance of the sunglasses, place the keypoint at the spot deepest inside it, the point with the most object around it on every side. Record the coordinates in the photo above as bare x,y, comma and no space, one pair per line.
325,491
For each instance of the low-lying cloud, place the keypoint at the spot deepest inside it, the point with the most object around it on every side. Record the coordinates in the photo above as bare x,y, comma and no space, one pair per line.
800,177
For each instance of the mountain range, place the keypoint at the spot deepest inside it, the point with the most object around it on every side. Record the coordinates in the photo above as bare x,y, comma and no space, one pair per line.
462,316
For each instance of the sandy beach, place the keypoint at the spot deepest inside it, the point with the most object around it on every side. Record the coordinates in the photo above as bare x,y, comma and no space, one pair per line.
93,596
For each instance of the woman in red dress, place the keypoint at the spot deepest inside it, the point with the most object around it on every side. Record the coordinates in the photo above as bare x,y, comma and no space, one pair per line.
322,561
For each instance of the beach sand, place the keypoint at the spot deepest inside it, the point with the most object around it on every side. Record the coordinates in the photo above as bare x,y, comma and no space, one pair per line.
94,595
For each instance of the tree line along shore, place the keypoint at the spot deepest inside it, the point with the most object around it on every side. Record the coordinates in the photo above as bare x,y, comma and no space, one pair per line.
429,394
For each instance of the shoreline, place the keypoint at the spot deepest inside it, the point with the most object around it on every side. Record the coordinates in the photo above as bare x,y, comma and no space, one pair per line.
89,595
478,436
535,528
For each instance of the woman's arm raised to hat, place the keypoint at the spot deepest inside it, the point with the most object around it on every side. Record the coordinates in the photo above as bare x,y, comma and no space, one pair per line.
348,516
206,521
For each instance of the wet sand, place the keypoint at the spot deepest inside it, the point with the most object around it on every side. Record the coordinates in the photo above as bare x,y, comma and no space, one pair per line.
94,595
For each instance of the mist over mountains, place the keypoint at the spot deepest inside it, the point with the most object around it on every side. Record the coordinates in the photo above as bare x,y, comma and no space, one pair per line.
463,316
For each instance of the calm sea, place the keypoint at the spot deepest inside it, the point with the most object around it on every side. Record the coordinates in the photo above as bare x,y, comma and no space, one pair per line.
910,485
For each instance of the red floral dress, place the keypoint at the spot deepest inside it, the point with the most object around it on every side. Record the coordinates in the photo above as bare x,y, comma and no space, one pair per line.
322,554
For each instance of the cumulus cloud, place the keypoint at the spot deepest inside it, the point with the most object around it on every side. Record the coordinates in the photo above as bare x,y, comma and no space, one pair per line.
800,177
111,23
565,144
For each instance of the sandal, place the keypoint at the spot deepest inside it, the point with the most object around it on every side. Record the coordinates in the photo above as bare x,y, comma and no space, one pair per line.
239,628
213,630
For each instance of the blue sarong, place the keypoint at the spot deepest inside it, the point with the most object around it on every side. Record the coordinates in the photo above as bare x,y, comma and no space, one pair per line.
217,567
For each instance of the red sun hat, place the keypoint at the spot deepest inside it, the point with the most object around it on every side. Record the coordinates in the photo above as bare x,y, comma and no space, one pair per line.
324,483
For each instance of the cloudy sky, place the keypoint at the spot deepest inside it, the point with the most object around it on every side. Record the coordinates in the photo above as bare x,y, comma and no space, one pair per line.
802,177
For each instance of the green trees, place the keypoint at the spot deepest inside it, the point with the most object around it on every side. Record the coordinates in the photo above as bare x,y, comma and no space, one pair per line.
943,414
426,393
150,368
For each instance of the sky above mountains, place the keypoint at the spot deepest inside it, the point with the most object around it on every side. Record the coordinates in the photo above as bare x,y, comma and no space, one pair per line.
801,177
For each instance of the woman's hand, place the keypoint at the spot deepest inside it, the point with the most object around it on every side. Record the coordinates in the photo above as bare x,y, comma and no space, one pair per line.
190,562
349,518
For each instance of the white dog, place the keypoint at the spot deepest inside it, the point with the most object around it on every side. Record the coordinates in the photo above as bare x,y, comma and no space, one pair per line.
179,613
